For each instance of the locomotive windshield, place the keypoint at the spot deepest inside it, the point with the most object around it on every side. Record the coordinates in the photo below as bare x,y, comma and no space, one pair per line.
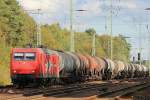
18,56
29,56
24,56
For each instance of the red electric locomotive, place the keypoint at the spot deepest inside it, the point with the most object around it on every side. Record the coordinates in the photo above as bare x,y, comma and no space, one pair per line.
30,65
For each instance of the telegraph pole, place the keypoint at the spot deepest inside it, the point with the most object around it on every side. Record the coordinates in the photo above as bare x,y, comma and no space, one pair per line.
38,33
149,38
93,44
140,48
149,44
39,29
111,38
71,27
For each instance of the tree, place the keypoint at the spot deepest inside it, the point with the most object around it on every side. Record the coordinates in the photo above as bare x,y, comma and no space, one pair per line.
90,31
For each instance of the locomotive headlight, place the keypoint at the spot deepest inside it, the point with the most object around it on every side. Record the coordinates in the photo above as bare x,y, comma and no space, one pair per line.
33,71
14,71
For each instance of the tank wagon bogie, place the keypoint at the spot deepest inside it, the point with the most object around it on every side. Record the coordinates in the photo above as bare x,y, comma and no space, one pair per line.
40,65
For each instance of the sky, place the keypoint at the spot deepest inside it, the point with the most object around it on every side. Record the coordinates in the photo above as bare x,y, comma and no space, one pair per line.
129,18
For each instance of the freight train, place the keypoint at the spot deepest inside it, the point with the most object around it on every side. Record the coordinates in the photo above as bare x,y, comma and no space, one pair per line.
45,66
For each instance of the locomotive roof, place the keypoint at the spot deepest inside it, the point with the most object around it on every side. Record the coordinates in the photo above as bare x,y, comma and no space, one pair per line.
46,50
25,49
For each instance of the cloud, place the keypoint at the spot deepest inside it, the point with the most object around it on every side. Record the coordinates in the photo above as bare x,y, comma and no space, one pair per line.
93,7
52,10
101,7
130,4
58,10
45,5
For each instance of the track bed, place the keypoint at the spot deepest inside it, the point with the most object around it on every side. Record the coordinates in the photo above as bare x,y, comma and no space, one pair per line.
121,89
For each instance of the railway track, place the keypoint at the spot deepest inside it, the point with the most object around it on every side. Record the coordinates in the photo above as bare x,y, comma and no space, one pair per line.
66,91
107,90
124,90
103,90
77,88
60,88
73,87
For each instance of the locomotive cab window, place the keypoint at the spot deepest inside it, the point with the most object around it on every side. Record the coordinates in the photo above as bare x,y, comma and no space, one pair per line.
18,56
30,56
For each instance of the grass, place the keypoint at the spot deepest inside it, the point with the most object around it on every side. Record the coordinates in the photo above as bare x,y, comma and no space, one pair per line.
4,65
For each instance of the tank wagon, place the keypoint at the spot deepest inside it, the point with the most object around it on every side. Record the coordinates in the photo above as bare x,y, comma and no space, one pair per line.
45,66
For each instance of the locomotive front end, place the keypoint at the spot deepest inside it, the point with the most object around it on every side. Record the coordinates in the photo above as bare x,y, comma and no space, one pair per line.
23,66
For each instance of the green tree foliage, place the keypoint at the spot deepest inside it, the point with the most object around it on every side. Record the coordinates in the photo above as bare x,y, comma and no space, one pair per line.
121,48
54,37
16,27
90,31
